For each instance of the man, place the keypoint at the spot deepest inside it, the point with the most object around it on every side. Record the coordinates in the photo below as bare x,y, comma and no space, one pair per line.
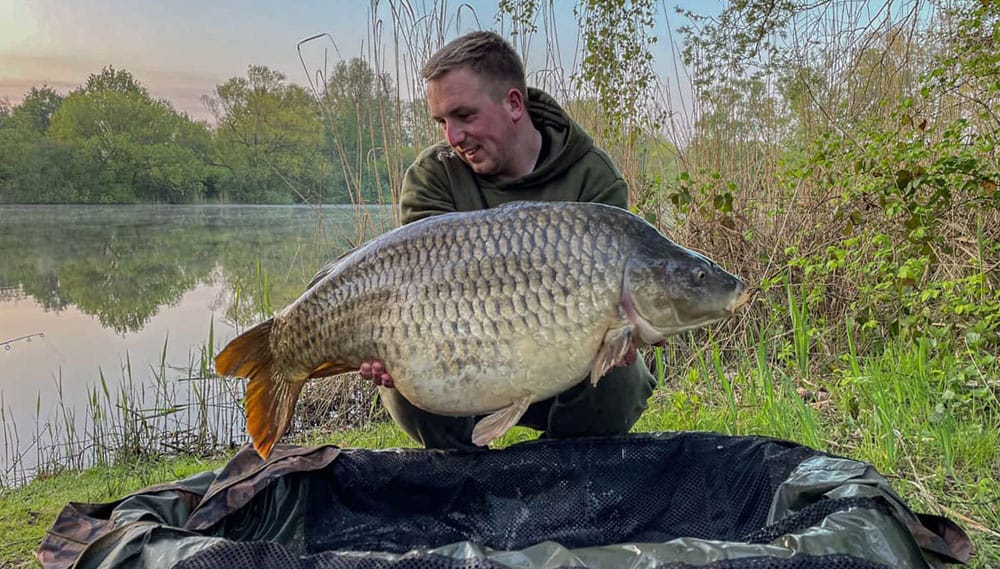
506,142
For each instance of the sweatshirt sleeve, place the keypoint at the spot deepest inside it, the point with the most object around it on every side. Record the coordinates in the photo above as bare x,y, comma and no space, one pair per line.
424,193
606,184
613,192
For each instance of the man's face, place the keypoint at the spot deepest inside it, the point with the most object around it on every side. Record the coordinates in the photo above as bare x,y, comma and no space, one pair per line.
479,128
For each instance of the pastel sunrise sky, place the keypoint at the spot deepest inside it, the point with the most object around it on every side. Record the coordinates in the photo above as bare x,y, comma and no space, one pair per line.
180,50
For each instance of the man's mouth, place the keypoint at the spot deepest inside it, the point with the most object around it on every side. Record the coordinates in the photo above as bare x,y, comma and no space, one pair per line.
470,153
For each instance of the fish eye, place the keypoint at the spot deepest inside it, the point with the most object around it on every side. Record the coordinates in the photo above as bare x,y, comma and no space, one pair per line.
700,274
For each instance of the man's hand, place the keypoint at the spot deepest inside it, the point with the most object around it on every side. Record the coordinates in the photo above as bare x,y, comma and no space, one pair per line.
374,370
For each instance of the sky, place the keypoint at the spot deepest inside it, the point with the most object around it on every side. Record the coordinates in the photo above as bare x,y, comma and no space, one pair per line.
180,50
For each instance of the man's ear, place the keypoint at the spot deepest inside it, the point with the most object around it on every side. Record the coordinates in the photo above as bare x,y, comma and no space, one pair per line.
516,105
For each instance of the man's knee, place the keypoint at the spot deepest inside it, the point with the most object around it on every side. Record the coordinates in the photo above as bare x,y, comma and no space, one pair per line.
611,407
427,429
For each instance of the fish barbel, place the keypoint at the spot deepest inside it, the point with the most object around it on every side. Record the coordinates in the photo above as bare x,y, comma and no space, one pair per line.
482,312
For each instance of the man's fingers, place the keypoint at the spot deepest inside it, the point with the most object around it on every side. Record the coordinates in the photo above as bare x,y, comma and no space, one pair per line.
375,372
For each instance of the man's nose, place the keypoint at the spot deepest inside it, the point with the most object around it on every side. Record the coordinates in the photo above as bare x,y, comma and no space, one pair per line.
454,134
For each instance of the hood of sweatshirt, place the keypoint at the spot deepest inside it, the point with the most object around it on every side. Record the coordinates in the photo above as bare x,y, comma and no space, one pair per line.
564,142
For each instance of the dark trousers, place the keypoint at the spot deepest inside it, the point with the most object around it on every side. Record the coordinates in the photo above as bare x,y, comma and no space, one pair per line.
610,408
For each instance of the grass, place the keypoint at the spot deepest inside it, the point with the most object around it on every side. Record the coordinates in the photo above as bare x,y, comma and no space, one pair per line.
26,512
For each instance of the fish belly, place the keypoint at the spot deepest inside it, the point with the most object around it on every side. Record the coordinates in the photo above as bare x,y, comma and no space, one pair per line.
479,381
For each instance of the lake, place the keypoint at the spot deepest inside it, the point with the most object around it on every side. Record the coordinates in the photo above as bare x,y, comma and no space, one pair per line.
133,295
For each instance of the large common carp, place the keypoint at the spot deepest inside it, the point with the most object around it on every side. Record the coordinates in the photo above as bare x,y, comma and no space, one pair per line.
482,312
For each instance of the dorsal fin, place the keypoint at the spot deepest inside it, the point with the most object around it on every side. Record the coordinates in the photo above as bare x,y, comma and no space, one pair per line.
327,269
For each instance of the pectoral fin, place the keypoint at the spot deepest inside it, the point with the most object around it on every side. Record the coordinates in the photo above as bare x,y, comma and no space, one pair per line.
498,423
617,343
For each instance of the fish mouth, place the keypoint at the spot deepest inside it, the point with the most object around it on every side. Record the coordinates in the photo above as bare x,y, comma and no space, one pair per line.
739,302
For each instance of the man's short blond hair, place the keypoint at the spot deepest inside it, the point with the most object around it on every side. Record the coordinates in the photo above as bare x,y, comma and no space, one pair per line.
487,55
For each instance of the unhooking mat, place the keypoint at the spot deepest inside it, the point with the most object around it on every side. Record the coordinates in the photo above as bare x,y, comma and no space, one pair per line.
661,500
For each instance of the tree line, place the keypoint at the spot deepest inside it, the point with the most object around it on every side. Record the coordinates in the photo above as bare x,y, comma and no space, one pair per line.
110,141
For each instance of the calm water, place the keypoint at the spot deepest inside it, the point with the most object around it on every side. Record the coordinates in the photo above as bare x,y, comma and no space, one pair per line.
89,290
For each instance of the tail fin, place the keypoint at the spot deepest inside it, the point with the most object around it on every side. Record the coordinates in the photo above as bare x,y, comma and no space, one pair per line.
271,397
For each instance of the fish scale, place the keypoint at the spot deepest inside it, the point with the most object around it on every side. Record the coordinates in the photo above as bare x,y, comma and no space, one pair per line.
481,312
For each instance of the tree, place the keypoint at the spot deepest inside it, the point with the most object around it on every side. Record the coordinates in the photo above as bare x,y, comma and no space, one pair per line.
130,146
32,167
36,110
116,80
269,139
617,71
363,137
965,76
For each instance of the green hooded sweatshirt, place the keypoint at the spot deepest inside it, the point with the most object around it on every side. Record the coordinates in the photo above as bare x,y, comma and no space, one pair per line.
569,168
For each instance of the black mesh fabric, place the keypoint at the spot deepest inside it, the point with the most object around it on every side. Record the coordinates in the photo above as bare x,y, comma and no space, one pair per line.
578,493
584,493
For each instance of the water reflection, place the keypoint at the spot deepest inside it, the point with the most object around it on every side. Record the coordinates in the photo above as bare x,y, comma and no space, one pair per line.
133,286
121,264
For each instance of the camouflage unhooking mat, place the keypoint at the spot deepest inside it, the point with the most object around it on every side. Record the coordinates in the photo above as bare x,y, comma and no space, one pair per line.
678,500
